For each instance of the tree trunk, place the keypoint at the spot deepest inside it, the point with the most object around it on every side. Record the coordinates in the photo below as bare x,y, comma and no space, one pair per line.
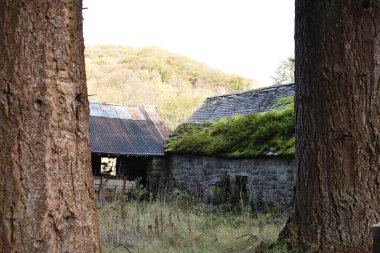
337,197
46,187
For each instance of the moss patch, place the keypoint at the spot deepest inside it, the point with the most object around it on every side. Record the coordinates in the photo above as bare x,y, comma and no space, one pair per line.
254,135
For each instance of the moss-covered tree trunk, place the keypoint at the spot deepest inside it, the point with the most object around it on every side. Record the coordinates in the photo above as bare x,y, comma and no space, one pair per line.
46,188
337,197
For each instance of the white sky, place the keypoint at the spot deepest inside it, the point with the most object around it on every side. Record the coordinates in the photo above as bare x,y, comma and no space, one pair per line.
246,37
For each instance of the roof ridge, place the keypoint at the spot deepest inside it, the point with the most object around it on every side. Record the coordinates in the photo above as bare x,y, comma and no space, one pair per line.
252,90
103,103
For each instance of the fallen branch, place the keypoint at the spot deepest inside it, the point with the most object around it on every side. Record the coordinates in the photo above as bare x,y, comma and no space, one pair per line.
250,237
252,247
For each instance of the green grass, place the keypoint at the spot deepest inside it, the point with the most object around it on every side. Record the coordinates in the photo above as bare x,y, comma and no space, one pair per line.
185,226
253,135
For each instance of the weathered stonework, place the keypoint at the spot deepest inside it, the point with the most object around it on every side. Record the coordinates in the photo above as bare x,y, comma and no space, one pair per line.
158,176
269,181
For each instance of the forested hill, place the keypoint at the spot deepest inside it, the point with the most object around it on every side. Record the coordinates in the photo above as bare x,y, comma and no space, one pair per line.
153,76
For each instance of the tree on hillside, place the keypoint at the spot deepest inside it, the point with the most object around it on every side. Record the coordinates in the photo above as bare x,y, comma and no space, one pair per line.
46,187
285,71
238,83
338,129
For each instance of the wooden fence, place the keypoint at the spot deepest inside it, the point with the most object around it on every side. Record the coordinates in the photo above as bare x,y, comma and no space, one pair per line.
109,188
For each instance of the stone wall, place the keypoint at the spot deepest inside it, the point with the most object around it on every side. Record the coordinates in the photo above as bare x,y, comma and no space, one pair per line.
265,182
158,175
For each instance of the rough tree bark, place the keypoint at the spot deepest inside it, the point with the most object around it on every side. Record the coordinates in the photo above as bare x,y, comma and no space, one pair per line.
46,188
337,197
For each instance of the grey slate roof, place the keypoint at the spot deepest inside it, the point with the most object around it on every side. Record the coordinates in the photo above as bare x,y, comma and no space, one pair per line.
253,101
126,130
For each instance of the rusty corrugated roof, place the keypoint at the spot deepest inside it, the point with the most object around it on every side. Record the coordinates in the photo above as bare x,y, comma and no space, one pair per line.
126,130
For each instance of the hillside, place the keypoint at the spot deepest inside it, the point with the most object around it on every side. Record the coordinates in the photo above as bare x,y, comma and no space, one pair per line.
153,76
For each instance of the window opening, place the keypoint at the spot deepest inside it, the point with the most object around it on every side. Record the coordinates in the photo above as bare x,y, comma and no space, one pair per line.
108,166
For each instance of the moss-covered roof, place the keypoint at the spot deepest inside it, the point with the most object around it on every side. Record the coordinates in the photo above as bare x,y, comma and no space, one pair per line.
243,103
251,135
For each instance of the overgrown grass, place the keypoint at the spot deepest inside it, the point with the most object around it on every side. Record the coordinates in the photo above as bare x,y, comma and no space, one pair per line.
182,224
251,135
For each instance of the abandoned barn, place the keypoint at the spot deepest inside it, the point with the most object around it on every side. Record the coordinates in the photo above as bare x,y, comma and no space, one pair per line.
266,180
127,144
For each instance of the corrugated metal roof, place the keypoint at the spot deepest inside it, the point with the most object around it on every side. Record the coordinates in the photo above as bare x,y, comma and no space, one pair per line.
156,118
253,101
116,111
123,130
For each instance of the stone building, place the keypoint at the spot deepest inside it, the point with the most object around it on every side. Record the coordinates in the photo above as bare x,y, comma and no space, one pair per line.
127,143
265,181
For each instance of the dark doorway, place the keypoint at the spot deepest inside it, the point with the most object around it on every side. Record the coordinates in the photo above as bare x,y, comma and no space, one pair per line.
134,168
241,189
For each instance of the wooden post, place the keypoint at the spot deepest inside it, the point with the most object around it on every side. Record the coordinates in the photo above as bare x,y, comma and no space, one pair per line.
376,238
100,187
